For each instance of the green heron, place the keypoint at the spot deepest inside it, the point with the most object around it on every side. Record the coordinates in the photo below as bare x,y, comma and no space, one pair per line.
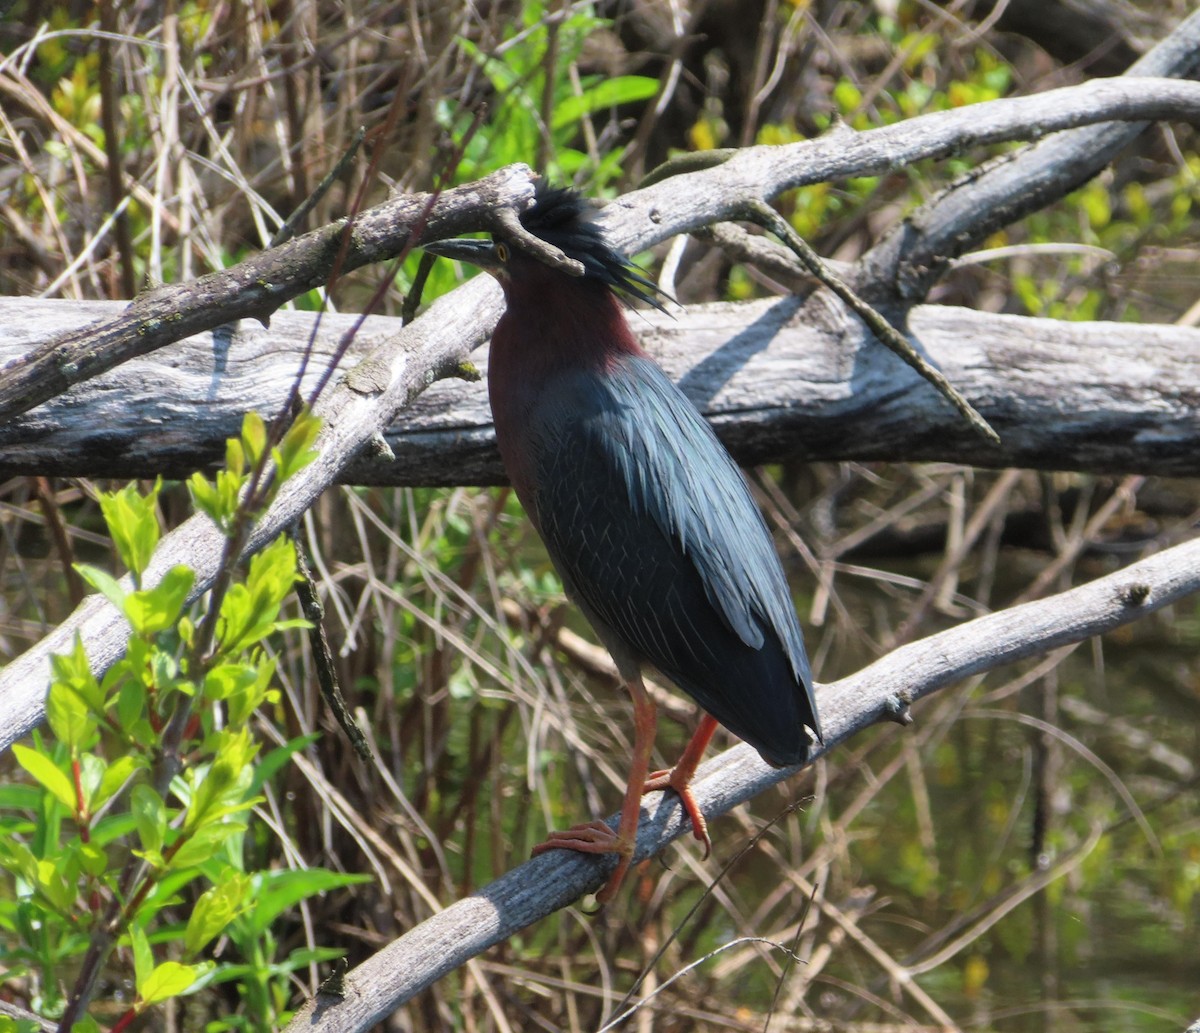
643,512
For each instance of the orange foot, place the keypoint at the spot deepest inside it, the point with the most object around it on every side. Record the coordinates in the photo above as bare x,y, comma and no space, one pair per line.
593,837
681,782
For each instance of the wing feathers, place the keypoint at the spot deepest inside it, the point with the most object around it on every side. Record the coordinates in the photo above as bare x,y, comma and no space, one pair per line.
656,534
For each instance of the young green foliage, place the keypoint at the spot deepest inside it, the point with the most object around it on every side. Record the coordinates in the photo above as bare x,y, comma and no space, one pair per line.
132,521
244,454
101,838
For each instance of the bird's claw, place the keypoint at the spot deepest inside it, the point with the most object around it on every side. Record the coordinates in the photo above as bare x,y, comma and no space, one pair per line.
669,778
590,837
593,837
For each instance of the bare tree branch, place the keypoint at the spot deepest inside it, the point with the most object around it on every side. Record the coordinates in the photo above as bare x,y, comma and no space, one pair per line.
257,287
910,259
881,692
696,199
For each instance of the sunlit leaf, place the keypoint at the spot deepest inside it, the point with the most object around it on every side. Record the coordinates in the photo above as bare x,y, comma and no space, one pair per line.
104,583
607,93
215,909
170,979
47,774
150,813
155,609
277,891
132,520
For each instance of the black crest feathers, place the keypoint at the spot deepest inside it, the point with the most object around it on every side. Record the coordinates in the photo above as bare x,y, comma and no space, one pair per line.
561,217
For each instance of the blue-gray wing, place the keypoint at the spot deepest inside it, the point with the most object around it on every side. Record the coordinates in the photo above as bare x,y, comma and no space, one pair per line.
655,533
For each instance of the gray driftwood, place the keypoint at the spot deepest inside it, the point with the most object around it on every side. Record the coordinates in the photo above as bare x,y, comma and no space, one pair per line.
780,379
259,286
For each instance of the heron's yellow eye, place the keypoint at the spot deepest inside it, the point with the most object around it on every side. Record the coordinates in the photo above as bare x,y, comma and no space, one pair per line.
502,252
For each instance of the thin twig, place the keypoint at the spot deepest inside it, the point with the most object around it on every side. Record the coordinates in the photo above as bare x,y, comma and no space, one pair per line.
288,229
314,613
766,216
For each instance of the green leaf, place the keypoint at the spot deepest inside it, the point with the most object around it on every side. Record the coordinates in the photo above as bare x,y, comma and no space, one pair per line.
219,500
293,624
104,583
150,813
607,93
16,857
243,686
47,774
1096,205
302,957
25,798
131,704
206,842
113,827
205,497
237,621
276,891
243,704
56,881
73,669
164,672
132,520
254,436
170,979
226,679
215,909
155,609
273,762
225,782
93,859
235,456
249,611
846,96
295,451
272,573
67,711
91,774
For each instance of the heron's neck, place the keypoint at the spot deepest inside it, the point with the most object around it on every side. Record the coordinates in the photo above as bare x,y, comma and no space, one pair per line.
554,322
550,330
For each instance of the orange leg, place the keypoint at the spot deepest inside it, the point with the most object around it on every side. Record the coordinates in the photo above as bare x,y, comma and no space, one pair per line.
595,837
680,777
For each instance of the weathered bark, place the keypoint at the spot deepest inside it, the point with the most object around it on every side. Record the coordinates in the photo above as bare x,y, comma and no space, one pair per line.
910,259
781,379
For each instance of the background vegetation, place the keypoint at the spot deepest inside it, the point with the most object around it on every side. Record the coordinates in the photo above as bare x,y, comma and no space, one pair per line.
491,714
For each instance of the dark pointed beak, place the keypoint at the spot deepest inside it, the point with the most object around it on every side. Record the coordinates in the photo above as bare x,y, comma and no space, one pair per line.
481,253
